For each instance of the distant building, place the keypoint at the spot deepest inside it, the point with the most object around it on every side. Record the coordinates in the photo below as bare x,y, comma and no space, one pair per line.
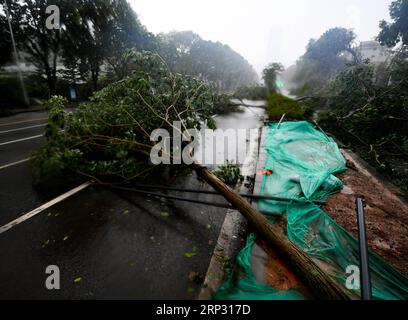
373,50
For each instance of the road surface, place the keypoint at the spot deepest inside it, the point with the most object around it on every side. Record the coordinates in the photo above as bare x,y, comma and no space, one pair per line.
107,245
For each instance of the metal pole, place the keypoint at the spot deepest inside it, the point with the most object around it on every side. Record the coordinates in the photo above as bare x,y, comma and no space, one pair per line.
27,102
318,127
280,121
365,281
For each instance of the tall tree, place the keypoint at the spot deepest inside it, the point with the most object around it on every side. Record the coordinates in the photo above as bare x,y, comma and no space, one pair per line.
83,49
187,53
324,58
125,33
102,31
42,45
329,48
75,42
5,44
270,74
397,31
367,103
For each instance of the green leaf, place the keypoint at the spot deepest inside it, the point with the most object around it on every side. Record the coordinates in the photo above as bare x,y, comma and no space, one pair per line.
45,243
192,253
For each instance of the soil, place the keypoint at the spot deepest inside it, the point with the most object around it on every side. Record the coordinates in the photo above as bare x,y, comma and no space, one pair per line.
278,275
386,215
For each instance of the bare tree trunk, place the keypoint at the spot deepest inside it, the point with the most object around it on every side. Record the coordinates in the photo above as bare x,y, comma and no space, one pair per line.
320,284
50,79
94,76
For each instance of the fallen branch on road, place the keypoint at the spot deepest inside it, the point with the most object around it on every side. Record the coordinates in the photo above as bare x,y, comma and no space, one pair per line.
110,141
318,282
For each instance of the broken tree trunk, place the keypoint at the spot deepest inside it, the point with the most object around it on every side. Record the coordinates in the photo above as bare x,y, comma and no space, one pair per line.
320,284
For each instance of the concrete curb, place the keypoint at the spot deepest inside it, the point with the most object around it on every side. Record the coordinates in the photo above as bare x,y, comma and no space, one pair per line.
228,243
230,239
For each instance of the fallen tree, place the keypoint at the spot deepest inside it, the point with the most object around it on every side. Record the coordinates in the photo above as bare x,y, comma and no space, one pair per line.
109,141
316,280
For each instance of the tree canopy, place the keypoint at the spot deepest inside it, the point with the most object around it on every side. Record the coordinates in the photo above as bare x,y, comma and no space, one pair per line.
270,74
5,44
187,53
110,138
330,47
365,104
324,57
98,32
42,45
397,31
97,37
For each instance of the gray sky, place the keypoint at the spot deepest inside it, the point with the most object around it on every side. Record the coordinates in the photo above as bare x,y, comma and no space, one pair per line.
263,31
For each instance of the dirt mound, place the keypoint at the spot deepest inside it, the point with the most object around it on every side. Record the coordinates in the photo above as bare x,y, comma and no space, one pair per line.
386,215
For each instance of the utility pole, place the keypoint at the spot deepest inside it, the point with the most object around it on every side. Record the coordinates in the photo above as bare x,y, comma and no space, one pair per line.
365,278
20,75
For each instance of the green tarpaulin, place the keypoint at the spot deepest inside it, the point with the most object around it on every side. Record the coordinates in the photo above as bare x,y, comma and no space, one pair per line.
304,162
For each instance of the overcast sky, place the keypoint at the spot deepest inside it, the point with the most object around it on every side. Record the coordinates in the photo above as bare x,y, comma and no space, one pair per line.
263,31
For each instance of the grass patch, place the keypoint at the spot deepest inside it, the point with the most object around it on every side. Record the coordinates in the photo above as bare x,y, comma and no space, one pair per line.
278,104
229,173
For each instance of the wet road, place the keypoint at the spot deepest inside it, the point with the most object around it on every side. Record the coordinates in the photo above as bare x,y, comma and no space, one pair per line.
13,129
16,192
107,245
117,248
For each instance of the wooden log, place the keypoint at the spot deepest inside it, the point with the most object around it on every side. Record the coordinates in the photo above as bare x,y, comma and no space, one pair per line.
320,284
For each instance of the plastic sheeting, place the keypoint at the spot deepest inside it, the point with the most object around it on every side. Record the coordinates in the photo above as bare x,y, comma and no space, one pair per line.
304,161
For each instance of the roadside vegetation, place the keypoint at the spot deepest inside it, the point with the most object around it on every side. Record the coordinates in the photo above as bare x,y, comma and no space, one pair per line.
108,139
278,105
363,103
103,46
95,47
230,174
261,91
323,59
256,92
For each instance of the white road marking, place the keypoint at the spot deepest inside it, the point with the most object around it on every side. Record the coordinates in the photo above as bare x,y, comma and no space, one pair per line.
18,122
19,140
45,206
13,163
24,128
